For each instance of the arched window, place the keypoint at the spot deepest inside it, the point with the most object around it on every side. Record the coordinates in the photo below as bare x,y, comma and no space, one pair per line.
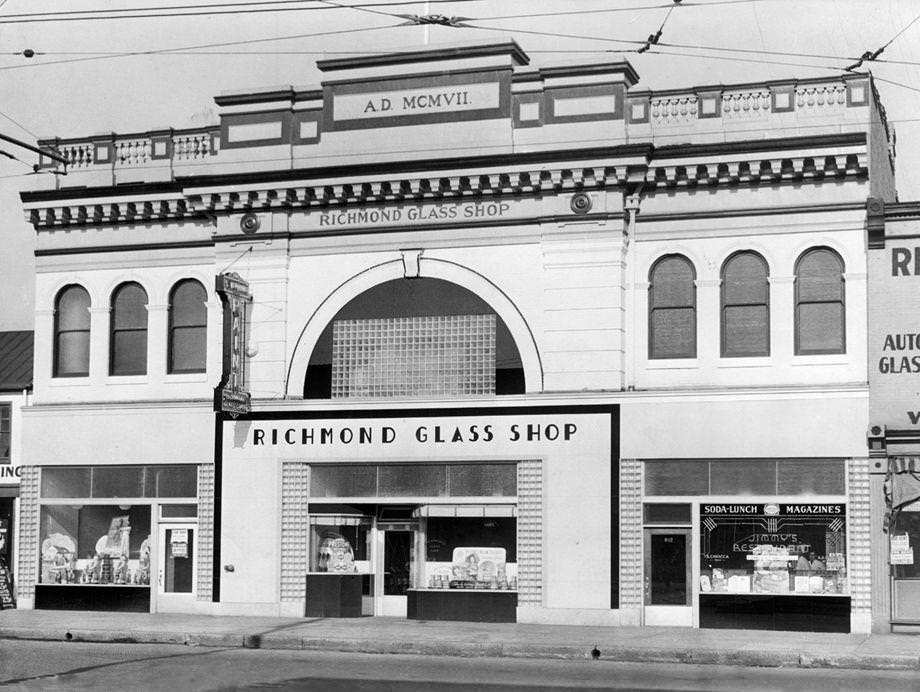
414,337
128,335
71,332
745,306
188,326
672,308
820,325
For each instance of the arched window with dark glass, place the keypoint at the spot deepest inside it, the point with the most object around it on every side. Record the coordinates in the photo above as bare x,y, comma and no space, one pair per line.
745,306
820,305
71,332
128,333
188,327
414,337
672,308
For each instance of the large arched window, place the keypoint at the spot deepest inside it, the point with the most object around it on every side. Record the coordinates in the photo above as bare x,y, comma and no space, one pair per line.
672,308
188,327
820,324
71,332
414,337
128,334
745,306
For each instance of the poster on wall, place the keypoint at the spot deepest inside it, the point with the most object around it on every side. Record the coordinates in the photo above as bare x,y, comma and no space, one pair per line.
901,552
478,566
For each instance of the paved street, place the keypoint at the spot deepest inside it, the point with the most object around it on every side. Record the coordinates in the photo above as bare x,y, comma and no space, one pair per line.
29,665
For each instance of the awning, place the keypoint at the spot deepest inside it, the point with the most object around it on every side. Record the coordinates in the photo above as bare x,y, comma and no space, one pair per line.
902,485
466,511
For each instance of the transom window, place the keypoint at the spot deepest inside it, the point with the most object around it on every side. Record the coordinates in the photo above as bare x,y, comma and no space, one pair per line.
819,303
672,308
745,306
71,332
129,331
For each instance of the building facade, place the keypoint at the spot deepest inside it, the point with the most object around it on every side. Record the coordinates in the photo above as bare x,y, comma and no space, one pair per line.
490,341
894,435
16,357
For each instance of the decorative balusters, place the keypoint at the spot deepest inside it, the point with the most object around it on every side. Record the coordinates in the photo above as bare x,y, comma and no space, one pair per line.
132,152
816,97
77,155
746,104
674,110
192,146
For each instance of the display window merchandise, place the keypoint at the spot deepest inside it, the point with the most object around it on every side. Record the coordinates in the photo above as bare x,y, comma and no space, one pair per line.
97,538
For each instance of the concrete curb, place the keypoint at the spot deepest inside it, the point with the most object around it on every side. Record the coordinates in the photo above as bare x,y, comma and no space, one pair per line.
622,654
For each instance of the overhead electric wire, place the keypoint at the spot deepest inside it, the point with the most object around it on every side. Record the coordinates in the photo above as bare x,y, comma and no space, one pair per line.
331,4
18,124
152,12
163,51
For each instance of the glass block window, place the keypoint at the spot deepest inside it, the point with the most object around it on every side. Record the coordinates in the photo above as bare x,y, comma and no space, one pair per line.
442,355
5,416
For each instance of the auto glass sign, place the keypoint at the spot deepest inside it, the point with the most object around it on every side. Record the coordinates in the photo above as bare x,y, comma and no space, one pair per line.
231,396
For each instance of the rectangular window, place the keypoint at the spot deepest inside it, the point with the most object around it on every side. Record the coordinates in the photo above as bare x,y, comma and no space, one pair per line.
340,543
5,433
745,477
779,548
413,480
470,553
119,481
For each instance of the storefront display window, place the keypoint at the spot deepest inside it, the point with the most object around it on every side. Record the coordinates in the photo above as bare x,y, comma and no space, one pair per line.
471,553
773,548
95,544
340,543
905,537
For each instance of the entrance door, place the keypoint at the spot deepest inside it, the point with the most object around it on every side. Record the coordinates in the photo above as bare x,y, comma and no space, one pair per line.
394,570
177,571
668,566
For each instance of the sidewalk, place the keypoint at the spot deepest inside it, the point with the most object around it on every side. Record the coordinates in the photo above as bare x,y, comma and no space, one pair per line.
396,635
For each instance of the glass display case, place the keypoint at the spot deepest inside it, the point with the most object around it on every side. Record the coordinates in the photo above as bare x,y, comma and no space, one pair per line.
471,553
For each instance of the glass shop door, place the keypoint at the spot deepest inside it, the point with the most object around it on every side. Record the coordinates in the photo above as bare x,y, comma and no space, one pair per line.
667,577
177,569
394,567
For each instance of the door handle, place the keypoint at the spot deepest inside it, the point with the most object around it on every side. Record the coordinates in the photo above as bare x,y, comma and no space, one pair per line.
160,577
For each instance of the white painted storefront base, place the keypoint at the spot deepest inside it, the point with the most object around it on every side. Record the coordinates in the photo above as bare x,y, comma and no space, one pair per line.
588,617
669,616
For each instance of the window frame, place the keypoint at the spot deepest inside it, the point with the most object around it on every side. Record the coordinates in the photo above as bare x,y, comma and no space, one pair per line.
693,352
171,328
724,305
798,302
113,330
6,429
58,332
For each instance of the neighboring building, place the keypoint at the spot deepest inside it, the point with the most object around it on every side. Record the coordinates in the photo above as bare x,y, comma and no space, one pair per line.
894,414
597,351
15,386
